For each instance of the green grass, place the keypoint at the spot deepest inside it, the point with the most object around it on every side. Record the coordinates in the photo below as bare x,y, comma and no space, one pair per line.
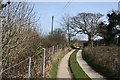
54,67
76,70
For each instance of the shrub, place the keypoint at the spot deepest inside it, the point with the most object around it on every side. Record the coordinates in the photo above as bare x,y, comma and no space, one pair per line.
105,59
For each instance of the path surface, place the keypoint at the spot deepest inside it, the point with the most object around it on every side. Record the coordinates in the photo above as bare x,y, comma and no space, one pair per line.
86,68
63,69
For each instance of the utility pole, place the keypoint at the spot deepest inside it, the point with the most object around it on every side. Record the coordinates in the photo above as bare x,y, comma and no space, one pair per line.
52,24
68,32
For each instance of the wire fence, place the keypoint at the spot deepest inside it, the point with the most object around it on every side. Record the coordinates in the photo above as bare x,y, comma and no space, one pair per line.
28,68
32,66
52,54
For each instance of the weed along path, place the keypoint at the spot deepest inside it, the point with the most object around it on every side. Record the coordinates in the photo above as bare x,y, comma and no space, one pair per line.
86,68
63,69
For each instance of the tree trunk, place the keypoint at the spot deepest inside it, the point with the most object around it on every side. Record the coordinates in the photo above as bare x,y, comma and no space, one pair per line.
69,39
89,38
90,41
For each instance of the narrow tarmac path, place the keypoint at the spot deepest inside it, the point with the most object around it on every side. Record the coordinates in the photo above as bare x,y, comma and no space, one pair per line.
63,68
87,69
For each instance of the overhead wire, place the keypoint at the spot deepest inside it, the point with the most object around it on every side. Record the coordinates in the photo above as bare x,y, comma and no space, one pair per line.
65,7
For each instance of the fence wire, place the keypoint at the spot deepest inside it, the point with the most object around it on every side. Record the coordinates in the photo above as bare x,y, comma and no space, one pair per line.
21,69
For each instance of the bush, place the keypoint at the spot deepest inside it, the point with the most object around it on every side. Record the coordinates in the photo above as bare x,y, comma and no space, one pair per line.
104,59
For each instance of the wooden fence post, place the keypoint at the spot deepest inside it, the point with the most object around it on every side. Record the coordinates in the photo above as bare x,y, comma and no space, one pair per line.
29,68
53,49
43,63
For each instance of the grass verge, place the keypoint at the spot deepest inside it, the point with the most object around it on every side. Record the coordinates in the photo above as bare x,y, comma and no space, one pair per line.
55,63
76,70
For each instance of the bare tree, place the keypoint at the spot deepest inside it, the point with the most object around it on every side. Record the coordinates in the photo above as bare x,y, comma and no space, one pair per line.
86,23
66,27
58,37
20,37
